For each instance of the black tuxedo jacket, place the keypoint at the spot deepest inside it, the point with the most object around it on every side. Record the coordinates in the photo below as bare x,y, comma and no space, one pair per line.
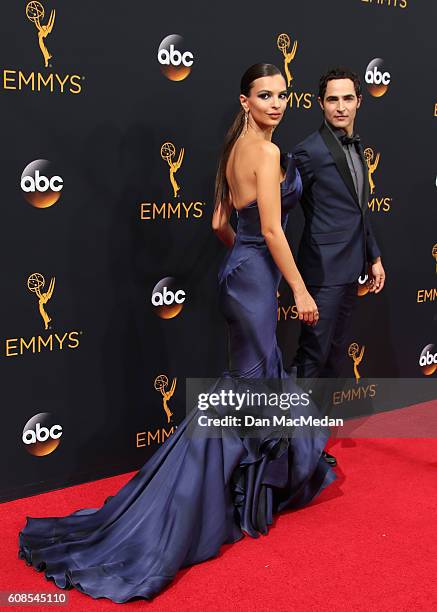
337,242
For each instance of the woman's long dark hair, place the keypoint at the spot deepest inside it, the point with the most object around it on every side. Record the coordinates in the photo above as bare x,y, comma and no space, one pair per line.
256,71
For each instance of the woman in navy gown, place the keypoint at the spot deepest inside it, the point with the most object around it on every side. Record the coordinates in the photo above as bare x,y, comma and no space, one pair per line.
197,493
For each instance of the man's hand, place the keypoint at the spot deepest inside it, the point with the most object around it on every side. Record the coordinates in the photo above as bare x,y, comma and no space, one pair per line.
376,276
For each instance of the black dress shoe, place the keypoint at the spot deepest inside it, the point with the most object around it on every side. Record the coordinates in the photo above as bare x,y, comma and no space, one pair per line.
329,458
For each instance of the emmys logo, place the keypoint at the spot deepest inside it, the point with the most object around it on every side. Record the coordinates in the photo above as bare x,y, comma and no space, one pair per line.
39,190
41,435
389,3
356,355
376,78
18,80
286,313
146,438
35,12
376,204
295,99
175,64
357,392
35,284
171,210
428,295
428,359
167,300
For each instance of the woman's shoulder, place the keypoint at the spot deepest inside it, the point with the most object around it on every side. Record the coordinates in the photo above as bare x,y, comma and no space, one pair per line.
266,147
266,152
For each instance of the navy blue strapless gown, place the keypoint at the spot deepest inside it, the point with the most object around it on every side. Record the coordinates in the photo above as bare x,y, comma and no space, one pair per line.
194,494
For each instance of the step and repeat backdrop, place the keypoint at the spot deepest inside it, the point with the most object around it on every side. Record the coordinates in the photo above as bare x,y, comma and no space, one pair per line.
113,116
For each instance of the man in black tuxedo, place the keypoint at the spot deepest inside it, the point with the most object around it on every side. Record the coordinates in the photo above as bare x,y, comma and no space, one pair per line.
337,244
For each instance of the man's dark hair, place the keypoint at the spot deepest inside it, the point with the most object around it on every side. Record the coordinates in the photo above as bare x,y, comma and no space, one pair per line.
339,73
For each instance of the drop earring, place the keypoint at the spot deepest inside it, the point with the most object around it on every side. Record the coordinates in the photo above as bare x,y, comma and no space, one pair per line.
246,123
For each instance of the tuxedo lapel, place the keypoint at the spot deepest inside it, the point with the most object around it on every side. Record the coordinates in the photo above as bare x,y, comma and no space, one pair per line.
336,150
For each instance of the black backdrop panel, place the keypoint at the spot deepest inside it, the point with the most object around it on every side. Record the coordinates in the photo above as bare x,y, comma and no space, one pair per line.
92,388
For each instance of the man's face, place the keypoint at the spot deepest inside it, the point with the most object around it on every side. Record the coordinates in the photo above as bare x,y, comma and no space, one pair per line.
340,104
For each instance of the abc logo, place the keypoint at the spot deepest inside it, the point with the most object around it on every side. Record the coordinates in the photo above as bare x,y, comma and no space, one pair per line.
41,185
377,78
428,359
41,434
175,63
363,286
167,298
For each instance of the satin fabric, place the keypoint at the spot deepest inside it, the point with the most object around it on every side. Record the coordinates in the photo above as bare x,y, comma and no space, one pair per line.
195,493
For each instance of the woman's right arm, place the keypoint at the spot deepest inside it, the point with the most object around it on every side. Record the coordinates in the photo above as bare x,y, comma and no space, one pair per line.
268,193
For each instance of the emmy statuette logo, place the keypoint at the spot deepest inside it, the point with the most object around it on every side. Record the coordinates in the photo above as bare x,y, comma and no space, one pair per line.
47,340
177,209
376,203
295,99
429,295
358,391
372,164
35,13
36,284
284,43
356,355
168,153
44,81
161,385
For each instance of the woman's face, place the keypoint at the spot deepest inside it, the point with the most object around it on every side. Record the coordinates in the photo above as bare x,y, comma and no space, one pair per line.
267,101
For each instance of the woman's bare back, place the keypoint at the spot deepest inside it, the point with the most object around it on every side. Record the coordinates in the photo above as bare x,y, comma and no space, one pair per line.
240,172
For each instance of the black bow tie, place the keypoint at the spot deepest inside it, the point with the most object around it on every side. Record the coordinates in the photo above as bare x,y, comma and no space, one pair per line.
348,140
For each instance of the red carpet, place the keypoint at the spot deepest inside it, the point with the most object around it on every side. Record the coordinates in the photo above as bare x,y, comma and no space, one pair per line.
367,543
